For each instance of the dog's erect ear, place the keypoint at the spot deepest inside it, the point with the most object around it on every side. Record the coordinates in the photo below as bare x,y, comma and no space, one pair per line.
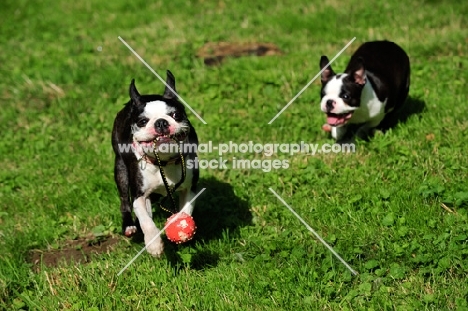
134,95
170,81
359,72
328,73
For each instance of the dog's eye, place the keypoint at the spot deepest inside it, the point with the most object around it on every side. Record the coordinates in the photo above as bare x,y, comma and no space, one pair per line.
176,116
345,96
142,122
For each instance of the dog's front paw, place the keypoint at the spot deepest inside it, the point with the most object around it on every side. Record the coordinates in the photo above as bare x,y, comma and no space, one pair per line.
327,127
154,246
130,231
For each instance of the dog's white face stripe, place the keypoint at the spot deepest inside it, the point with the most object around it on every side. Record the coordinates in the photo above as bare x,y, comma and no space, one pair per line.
333,87
157,108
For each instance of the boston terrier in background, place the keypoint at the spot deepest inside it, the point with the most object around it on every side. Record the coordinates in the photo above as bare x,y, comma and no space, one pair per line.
375,83
148,122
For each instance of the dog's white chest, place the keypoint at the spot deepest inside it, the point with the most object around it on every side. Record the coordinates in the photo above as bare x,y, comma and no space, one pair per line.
371,107
153,180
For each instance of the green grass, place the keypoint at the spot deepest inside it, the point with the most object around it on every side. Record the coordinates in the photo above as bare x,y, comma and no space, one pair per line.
380,208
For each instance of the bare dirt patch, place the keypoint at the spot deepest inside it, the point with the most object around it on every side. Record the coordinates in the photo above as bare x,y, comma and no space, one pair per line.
80,250
213,53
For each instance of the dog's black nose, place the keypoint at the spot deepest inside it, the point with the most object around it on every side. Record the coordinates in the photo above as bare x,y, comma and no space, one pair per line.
161,126
330,105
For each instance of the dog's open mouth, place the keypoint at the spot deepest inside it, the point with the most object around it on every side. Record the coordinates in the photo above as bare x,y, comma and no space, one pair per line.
338,119
161,139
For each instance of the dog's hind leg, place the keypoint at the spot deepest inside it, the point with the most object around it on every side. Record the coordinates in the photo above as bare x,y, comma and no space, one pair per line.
367,130
121,179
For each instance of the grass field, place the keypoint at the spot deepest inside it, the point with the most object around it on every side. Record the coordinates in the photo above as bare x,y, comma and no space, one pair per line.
65,74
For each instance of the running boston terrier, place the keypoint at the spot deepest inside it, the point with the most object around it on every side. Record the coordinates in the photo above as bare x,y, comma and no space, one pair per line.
146,138
375,83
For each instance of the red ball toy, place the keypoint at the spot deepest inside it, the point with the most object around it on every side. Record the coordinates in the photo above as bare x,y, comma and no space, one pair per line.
180,230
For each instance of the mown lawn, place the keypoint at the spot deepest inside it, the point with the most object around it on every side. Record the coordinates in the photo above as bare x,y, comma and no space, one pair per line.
65,74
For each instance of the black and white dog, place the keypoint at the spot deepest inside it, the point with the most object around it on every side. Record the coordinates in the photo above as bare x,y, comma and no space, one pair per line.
375,83
148,122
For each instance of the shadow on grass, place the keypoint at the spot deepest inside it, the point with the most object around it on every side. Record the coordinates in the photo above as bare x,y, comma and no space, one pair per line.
218,213
412,106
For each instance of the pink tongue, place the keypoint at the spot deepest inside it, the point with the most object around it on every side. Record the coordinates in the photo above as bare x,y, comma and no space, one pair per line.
338,119
332,120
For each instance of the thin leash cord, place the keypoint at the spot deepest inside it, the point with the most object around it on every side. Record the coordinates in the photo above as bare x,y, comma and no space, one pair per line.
170,191
184,170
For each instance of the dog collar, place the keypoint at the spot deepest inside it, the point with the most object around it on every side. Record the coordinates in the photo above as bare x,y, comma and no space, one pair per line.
144,157
147,159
